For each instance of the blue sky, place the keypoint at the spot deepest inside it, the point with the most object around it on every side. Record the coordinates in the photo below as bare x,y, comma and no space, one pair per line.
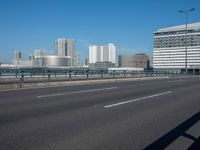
129,24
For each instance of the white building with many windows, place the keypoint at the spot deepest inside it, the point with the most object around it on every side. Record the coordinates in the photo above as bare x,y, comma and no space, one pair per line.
65,47
170,48
102,53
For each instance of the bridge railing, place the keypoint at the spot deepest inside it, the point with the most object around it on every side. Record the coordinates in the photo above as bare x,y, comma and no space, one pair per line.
34,75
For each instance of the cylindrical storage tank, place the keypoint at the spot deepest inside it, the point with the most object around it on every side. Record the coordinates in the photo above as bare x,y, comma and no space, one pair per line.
57,61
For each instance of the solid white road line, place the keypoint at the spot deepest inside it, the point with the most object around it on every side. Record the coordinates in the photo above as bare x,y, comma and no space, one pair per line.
138,99
77,92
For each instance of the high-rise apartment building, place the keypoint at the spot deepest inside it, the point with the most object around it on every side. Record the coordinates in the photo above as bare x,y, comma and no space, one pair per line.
102,53
60,47
65,47
39,53
76,60
18,55
170,47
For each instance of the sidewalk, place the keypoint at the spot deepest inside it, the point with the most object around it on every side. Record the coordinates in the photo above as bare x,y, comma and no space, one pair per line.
8,87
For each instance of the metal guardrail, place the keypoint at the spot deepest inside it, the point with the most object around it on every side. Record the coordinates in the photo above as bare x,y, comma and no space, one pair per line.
36,75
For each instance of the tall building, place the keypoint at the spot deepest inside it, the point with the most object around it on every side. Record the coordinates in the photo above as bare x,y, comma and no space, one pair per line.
18,61
76,60
86,62
18,55
60,47
170,47
65,47
102,53
39,53
140,60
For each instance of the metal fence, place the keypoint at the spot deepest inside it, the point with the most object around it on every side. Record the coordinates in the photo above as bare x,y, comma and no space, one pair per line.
43,74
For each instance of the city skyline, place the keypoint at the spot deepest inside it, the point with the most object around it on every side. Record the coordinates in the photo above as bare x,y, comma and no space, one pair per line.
29,25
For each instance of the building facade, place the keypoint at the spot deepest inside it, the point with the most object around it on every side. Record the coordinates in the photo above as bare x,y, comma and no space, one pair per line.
39,53
77,60
170,48
102,65
18,61
56,61
18,55
135,61
102,53
65,47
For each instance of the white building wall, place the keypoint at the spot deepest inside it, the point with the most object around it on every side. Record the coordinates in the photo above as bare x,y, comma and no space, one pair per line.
60,48
170,53
112,53
175,57
65,47
92,53
102,53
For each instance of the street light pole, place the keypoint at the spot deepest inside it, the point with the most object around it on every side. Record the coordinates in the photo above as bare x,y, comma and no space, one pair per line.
186,12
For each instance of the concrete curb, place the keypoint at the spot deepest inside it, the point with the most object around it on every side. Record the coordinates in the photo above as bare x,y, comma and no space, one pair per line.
14,87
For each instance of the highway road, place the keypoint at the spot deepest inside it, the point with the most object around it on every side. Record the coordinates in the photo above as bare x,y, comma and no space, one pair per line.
128,115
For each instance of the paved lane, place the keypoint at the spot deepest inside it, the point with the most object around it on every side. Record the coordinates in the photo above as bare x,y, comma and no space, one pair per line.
75,117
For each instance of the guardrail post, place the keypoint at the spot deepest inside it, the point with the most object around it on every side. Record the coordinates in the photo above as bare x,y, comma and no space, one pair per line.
70,75
49,76
22,76
124,74
21,80
101,74
113,73
87,74
83,74
20,83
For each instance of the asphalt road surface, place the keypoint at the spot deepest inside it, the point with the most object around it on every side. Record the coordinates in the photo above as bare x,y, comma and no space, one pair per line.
129,115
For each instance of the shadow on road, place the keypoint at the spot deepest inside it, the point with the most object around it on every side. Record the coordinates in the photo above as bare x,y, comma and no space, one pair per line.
164,141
